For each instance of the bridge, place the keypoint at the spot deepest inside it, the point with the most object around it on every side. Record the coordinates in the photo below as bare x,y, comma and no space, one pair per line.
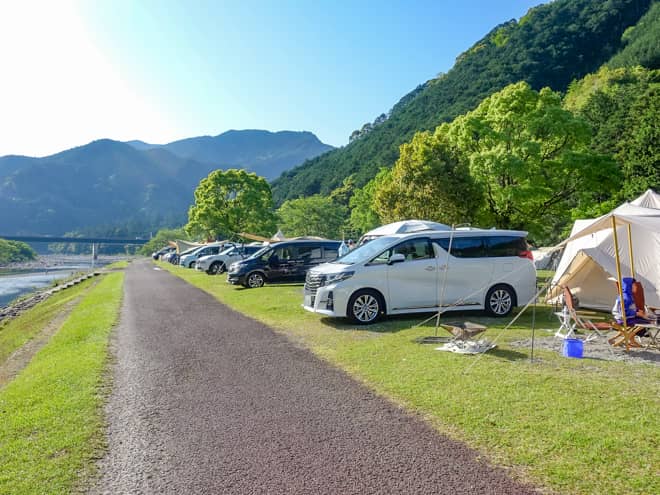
81,240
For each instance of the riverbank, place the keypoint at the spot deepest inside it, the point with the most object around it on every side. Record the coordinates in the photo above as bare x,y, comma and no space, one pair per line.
55,261
21,279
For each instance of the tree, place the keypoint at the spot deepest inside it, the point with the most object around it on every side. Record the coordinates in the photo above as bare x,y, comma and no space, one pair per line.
229,202
15,251
315,215
429,181
161,239
364,216
622,106
531,159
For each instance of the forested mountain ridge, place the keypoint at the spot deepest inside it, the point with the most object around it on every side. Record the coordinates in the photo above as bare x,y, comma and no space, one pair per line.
552,45
110,183
266,153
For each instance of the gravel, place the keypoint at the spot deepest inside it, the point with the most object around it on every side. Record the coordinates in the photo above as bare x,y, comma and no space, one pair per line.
206,400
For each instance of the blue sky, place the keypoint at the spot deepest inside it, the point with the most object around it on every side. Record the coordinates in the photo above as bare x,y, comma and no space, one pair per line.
165,70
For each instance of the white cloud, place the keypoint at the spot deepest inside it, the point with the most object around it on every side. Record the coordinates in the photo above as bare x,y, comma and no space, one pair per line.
57,89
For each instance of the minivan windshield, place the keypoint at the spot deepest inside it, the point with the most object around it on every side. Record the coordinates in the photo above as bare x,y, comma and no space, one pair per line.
365,252
228,250
260,253
188,251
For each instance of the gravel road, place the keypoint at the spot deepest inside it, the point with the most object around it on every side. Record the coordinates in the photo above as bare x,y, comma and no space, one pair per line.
208,401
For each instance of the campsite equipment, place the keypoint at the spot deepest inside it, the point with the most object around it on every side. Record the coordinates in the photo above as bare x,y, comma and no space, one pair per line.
570,320
465,330
572,348
402,227
642,226
589,259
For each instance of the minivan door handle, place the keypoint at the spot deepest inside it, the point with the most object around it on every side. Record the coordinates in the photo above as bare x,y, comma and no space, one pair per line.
429,268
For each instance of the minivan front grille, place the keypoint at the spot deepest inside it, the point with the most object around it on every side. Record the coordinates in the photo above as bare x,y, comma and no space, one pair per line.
312,282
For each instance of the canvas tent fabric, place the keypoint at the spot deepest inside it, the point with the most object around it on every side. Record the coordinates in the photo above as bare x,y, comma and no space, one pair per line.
182,246
588,264
649,199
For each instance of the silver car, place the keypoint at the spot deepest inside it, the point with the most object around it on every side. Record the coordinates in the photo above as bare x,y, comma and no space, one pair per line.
218,263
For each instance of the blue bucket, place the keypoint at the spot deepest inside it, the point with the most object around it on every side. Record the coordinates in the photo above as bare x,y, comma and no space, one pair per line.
572,348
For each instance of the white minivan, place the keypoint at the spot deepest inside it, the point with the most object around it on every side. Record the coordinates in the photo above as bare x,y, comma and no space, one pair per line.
423,272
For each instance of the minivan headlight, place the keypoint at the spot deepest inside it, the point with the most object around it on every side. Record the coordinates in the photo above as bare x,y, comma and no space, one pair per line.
337,277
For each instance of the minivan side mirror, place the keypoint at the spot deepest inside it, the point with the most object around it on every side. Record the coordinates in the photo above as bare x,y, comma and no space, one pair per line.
396,258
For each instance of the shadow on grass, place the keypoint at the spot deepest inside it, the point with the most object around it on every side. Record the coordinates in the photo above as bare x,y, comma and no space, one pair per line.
269,284
508,354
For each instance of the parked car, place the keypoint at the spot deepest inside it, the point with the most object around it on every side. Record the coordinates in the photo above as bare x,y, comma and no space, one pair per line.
425,272
282,261
170,257
157,254
188,258
218,263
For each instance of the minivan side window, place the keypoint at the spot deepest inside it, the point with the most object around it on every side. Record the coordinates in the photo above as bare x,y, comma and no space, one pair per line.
463,247
414,249
330,253
266,255
505,246
309,252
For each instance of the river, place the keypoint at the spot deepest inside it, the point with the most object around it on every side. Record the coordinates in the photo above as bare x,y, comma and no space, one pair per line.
22,279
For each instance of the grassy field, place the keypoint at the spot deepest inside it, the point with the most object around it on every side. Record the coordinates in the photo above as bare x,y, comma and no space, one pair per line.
16,332
570,425
51,423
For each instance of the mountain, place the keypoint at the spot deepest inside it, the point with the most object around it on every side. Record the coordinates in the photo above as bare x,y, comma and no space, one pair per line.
111,183
104,182
268,154
551,45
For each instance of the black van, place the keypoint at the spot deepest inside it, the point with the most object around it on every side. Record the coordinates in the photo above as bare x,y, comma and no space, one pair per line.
282,262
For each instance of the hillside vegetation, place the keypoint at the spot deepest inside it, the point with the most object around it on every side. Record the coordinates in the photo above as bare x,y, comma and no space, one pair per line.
136,187
14,251
552,45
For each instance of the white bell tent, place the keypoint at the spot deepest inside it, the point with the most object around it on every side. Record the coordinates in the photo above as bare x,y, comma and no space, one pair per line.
588,264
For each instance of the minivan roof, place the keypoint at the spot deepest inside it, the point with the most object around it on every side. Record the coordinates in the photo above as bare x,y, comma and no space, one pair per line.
304,241
461,232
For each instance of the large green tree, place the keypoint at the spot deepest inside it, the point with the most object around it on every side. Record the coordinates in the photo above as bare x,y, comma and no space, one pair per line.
364,216
231,201
15,251
429,181
622,106
531,158
161,239
315,215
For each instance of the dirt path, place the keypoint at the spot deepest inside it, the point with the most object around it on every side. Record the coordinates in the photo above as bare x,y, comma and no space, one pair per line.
207,401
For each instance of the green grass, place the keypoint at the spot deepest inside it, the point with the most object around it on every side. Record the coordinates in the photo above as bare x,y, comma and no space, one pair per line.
116,265
575,426
51,416
16,332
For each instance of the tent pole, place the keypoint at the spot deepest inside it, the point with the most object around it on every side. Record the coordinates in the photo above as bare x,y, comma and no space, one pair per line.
444,280
618,277
630,252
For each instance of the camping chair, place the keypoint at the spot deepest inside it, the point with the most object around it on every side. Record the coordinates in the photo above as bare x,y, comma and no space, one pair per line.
644,315
643,311
571,320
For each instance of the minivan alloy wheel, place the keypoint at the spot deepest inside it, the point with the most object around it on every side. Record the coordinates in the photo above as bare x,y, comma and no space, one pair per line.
216,267
499,301
255,280
365,307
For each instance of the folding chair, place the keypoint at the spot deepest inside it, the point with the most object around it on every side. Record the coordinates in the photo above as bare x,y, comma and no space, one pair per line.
571,321
643,311
645,315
